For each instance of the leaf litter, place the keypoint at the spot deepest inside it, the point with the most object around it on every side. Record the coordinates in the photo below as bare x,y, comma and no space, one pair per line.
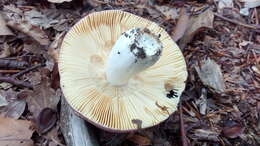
221,47
15,132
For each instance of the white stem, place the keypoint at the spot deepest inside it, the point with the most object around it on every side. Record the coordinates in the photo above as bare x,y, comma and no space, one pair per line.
134,51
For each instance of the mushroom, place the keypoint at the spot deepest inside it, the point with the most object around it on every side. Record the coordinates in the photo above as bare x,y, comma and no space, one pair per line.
121,72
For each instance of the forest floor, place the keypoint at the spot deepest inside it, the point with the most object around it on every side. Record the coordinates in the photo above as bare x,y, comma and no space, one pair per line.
220,40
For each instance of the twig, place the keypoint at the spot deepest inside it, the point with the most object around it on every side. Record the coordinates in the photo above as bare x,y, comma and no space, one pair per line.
13,64
26,70
9,71
237,22
256,16
15,82
182,131
19,83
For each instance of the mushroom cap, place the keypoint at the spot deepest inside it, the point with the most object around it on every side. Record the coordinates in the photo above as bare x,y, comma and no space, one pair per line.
149,98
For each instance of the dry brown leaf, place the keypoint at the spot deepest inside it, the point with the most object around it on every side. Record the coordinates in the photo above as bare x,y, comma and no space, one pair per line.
181,26
3,101
54,137
224,4
233,131
168,12
211,75
140,140
46,120
53,50
206,134
4,30
43,97
15,132
59,1
256,69
15,109
31,30
34,78
196,23
37,18
10,95
43,105
6,51
201,102
31,47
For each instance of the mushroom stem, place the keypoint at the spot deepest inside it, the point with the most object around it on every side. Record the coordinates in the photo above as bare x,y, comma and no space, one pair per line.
134,51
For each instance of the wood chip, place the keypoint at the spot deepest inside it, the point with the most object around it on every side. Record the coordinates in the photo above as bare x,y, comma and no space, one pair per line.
211,75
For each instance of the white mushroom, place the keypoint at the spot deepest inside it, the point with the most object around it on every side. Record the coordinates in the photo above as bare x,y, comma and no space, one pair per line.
121,72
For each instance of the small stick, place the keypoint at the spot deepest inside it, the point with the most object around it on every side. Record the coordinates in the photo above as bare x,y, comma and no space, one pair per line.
26,70
13,64
182,131
237,22
15,82
256,16
9,71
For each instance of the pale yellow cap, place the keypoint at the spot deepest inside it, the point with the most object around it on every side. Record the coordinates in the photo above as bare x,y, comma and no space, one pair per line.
142,102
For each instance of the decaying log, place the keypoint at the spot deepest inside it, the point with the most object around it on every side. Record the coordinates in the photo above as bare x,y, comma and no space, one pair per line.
75,130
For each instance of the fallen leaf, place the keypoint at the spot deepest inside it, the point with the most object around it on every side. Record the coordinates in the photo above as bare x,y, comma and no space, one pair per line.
202,102
43,97
31,30
46,120
181,26
196,24
5,85
54,136
55,77
3,101
224,4
53,49
211,75
10,94
233,131
168,12
256,69
6,51
4,30
15,109
247,5
251,3
140,140
31,47
34,78
37,18
205,134
15,132
59,1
